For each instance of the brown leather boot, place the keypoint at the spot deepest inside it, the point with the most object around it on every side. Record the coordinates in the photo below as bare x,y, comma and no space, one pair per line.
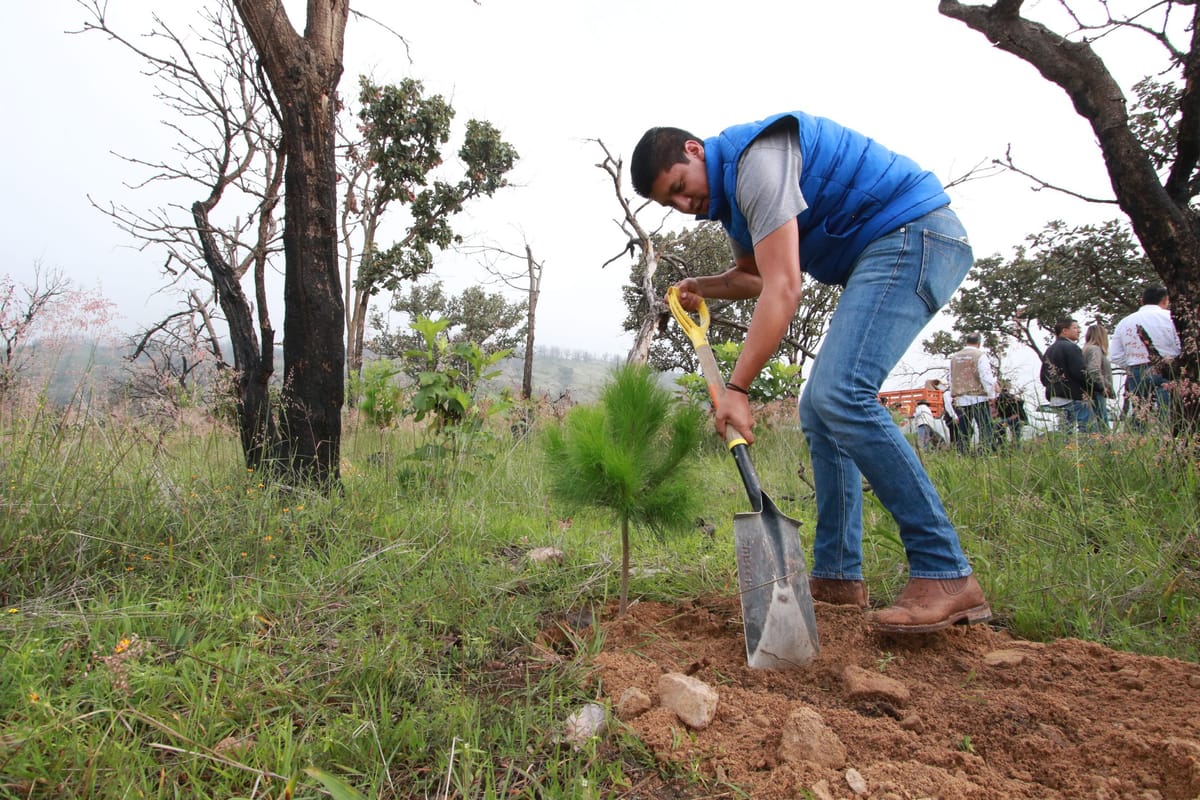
838,592
928,605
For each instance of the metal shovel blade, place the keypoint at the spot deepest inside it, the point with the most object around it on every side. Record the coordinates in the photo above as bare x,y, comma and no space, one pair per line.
777,608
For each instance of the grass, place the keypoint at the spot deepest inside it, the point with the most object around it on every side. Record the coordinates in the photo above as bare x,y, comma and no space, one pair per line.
172,626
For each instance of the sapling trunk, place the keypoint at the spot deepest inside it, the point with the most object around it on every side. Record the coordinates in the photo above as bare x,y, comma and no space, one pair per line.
624,566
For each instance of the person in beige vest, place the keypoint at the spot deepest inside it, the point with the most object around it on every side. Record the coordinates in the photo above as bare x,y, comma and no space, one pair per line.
973,389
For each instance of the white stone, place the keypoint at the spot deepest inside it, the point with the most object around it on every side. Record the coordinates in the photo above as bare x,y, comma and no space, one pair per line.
584,724
692,700
546,555
856,782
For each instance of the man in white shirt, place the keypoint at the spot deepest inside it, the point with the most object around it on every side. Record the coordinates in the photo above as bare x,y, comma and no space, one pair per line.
1128,350
973,386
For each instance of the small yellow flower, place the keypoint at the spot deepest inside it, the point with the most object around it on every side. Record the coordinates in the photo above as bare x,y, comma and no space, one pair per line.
34,697
267,538
12,611
122,646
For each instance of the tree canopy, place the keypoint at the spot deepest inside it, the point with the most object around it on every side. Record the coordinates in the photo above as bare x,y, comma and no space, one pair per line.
1151,148
1089,272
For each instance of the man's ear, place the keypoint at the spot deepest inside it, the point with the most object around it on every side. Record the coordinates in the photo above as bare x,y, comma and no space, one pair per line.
694,148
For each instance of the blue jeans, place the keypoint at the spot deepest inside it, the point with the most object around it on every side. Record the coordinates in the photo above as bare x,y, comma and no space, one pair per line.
1078,417
897,285
1100,408
1143,382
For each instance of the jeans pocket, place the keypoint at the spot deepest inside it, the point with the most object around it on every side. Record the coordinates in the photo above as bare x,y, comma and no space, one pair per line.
945,261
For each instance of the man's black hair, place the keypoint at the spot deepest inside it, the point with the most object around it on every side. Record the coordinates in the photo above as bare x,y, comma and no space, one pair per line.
973,338
1153,295
658,149
1062,324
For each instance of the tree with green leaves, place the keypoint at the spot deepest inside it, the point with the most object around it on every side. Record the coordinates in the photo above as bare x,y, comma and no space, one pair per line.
399,161
1090,272
474,315
629,454
1150,145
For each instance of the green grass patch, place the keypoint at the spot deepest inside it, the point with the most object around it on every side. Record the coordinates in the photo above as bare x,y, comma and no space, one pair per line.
173,626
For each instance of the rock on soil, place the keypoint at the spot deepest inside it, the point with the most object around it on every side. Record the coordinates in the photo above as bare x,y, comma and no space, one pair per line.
962,713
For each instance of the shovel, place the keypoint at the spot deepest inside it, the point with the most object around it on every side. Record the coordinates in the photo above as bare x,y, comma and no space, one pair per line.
777,607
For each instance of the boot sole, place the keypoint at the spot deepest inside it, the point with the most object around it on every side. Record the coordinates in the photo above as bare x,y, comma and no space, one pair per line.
971,616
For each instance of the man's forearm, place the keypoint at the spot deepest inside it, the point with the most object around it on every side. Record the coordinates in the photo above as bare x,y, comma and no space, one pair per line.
732,284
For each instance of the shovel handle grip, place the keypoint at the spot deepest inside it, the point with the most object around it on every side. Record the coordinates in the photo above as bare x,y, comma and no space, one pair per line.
697,332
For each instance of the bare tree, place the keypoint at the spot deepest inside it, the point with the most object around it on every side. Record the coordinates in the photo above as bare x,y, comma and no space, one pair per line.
229,151
45,312
1151,156
529,282
653,311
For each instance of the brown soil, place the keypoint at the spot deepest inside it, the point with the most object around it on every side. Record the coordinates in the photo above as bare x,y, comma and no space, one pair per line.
985,716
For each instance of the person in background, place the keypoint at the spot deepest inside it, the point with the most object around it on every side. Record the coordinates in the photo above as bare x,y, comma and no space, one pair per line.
925,427
1099,371
973,387
1065,378
801,194
1011,416
949,418
1143,378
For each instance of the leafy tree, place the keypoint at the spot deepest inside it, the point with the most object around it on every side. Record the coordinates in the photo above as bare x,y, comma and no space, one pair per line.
486,319
447,375
1090,272
628,454
1152,154
704,250
777,381
395,162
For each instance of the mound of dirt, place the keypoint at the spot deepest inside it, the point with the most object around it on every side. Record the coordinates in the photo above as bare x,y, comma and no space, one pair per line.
963,713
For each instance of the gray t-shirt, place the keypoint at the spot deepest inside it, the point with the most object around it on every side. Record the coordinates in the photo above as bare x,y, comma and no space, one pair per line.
768,183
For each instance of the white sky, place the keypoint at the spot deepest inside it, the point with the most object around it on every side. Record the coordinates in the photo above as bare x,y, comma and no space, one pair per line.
553,75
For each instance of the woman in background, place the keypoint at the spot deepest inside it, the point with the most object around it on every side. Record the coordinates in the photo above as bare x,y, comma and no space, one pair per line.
1099,371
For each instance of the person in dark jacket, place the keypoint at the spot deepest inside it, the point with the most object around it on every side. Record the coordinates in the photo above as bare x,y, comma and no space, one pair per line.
797,194
1064,374
1010,416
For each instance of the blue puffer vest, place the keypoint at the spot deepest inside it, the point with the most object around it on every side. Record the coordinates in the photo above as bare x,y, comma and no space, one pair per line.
857,190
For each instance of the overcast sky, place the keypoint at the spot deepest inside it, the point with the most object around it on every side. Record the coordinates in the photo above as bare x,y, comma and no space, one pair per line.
554,76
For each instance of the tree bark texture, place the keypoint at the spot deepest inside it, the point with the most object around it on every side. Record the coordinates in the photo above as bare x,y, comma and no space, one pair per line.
304,72
252,366
535,283
1160,213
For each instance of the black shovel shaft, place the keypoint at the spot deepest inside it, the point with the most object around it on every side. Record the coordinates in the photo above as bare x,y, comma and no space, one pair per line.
741,456
739,448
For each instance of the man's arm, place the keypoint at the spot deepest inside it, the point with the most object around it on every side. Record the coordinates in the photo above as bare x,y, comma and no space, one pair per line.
1116,345
776,260
987,377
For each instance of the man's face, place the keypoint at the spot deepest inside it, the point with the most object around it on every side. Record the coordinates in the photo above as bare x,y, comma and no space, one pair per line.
1071,332
684,187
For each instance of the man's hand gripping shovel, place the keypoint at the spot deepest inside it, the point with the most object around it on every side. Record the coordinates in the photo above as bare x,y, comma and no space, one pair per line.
777,607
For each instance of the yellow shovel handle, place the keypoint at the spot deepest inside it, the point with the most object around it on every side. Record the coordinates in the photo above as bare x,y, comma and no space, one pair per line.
698,334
